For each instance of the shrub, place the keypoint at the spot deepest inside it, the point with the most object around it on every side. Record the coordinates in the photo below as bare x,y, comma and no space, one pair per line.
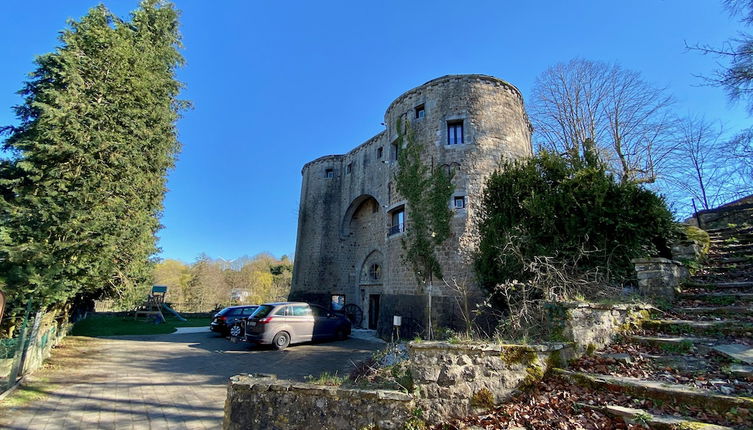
574,213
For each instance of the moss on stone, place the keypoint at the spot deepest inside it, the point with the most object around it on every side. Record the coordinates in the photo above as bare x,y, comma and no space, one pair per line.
555,360
590,349
517,354
534,372
699,236
482,399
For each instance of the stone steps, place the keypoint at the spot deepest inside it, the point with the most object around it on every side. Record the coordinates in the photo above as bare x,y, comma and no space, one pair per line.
736,351
658,391
731,239
716,306
672,343
732,260
728,232
724,327
737,285
696,327
722,269
657,422
730,249
715,310
717,298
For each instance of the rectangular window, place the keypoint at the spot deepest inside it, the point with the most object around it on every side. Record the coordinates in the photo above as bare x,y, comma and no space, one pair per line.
329,173
398,222
395,150
459,202
455,132
420,111
349,168
380,150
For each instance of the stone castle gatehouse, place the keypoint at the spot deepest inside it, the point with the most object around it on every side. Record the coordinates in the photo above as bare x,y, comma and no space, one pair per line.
351,219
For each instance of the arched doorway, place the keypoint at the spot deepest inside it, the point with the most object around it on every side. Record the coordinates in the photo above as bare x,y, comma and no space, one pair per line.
370,283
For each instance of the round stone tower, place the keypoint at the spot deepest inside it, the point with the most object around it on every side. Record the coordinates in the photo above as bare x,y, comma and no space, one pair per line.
351,219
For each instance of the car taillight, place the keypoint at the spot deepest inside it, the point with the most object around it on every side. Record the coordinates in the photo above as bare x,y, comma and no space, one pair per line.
222,318
265,320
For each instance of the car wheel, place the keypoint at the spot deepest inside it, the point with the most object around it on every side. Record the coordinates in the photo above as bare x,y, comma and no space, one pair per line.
281,340
236,331
341,335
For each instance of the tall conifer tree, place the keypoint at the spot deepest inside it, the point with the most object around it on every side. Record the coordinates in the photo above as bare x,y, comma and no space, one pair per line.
83,190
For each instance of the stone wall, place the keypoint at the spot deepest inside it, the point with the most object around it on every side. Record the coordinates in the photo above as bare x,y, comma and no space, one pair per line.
449,380
659,277
592,326
347,200
456,380
260,402
738,212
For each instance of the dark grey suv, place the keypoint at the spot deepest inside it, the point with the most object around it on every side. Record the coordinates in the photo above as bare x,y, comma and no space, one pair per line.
281,324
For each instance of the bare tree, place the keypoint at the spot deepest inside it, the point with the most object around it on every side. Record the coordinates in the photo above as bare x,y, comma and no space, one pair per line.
699,167
735,76
629,120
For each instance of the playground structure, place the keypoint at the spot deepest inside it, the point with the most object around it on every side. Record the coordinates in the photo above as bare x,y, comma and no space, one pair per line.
154,304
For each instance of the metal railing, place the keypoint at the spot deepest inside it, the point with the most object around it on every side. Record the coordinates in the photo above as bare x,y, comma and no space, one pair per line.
395,229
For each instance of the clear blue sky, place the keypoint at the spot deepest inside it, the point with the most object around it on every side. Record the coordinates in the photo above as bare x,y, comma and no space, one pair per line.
277,84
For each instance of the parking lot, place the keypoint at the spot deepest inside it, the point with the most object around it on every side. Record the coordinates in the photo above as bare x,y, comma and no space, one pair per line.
162,381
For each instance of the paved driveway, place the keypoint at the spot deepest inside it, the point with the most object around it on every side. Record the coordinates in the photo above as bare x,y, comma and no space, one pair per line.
161,381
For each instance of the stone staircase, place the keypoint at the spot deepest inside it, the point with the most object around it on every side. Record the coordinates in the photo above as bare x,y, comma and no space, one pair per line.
691,365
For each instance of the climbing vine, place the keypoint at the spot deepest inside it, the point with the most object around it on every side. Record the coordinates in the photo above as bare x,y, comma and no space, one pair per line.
427,191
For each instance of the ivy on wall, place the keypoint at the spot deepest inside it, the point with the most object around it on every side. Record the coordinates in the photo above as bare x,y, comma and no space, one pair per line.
427,191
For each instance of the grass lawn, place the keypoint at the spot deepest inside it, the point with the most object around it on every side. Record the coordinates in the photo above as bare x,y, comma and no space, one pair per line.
116,326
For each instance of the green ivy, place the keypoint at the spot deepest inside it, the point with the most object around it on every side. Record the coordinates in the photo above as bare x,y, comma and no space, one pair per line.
427,191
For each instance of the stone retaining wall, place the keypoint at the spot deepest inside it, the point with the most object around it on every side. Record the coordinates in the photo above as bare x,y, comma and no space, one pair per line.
450,380
659,277
592,326
456,380
261,402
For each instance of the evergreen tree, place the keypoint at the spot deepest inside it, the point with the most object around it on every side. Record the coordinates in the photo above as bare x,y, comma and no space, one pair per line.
83,190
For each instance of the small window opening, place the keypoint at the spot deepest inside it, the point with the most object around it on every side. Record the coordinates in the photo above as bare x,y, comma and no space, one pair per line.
380,150
395,150
398,222
375,272
455,132
329,173
459,202
420,111
349,168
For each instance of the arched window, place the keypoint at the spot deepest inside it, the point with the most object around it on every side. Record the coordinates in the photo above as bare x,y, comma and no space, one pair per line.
375,272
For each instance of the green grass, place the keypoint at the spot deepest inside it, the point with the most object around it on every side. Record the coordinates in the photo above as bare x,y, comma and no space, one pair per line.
326,378
117,326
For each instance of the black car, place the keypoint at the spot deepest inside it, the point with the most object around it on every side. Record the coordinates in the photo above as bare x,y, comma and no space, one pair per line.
223,320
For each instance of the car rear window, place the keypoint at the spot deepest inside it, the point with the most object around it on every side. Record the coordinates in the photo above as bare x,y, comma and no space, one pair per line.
249,310
234,311
262,311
